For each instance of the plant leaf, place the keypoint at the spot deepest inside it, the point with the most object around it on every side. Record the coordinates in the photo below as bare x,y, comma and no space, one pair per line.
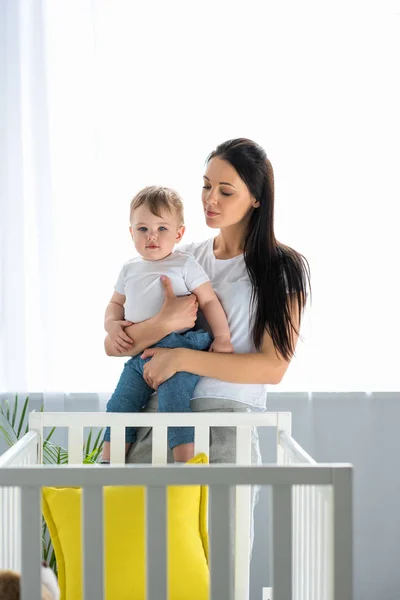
21,421
54,454
96,444
9,441
87,449
6,410
14,411
52,562
50,434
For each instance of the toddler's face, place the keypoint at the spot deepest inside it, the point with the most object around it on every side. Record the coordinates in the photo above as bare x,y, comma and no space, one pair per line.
155,237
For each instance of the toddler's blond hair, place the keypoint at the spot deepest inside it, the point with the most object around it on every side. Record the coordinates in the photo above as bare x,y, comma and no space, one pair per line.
158,198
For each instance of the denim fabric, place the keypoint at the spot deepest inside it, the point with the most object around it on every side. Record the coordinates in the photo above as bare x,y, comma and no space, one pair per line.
132,392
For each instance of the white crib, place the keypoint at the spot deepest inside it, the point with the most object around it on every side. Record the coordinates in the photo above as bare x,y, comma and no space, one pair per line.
311,505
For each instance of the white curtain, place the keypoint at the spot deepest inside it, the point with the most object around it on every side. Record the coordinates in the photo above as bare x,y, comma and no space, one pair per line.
27,225
99,98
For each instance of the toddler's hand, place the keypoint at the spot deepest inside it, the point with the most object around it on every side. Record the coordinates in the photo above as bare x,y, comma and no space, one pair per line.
117,335
222,344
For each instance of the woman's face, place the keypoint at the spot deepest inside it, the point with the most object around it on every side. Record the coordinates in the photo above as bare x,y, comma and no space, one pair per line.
226,198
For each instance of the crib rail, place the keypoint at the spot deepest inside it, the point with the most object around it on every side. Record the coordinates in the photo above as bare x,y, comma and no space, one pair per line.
219,479
23,452
76,422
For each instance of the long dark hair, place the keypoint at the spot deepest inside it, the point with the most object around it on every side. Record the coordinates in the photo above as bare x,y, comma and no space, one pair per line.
279,275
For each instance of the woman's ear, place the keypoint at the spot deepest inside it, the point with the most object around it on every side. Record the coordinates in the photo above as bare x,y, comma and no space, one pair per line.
256,203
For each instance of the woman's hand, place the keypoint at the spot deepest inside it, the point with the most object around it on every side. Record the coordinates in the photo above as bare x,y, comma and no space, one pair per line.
177,312
162,366
116,332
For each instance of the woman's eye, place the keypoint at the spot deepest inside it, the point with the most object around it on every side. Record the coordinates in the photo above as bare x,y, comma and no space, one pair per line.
208,187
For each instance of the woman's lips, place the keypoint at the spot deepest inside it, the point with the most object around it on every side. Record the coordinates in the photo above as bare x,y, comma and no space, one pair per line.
210,213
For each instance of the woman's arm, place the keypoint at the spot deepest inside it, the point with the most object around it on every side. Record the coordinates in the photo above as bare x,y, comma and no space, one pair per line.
175,314
266,366
256,367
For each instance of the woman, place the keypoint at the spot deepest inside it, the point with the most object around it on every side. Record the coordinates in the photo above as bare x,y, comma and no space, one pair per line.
262,285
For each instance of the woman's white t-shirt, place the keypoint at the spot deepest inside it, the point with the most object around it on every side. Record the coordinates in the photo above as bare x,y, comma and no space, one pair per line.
232,285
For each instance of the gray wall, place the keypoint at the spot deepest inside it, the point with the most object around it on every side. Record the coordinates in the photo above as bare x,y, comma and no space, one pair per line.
363,430
343,427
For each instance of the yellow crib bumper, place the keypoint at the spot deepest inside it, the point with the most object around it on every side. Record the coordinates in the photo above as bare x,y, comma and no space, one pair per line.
124,522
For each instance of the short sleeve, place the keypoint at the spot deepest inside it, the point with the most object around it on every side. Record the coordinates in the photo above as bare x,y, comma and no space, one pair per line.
188,248
120,284
194,274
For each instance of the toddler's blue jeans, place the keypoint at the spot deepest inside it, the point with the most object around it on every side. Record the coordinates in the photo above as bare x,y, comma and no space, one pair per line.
132,392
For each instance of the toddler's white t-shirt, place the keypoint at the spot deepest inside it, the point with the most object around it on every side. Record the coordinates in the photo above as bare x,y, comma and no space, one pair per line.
139,281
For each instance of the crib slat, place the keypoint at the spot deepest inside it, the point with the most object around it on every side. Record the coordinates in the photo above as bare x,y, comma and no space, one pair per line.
75,445
306,509
32,547
36,424
320,556
17,528
117,447
92,519
325,575
329,544
242,517
243,444
282,541
159,445
284,424
12,494
220,542
3,529
342,531
202,440
318,545
156,545
302,546
313,543
295,534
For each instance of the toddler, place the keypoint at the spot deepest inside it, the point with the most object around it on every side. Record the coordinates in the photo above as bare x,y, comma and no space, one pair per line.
156,225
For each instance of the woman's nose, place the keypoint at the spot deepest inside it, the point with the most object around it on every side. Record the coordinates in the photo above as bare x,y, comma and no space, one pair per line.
211,199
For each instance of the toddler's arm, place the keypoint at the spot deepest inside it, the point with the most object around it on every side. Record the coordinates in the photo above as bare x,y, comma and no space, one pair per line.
114,324
216,318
